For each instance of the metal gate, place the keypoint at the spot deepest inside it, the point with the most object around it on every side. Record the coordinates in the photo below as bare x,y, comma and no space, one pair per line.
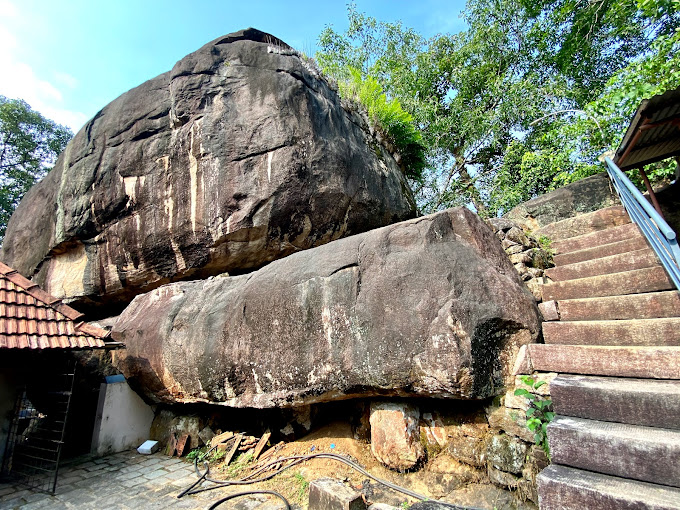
36,434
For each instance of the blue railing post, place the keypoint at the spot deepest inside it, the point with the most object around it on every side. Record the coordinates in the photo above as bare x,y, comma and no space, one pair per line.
661,237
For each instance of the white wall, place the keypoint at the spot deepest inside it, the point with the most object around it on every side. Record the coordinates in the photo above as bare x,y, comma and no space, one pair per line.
123,419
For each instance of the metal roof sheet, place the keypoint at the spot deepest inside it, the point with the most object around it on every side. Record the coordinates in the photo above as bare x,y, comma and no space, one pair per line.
30,318
653,134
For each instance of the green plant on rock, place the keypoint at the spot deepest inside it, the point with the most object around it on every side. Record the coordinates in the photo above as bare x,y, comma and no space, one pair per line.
539,413
388,117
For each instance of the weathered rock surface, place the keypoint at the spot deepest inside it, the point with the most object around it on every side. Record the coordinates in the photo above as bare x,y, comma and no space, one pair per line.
240,155
427,307
587,195
395,435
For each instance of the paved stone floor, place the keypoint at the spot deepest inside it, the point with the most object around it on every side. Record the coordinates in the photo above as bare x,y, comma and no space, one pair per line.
126,481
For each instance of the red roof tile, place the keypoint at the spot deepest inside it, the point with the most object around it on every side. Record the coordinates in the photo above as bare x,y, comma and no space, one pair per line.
30,318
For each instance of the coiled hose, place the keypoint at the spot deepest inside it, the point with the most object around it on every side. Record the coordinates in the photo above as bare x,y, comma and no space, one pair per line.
297,459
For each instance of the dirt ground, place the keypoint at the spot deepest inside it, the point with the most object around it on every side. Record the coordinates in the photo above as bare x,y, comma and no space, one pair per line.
440,478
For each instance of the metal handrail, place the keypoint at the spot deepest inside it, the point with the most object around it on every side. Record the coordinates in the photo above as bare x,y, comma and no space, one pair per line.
661,237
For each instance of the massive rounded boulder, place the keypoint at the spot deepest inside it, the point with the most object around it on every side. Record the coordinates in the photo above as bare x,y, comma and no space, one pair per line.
240,155
427,307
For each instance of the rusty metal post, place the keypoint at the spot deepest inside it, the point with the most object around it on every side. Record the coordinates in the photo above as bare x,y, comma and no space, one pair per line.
652,195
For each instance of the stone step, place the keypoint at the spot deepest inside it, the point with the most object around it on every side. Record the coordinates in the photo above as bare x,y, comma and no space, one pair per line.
638,259
598,238
584,224
637,281
630,244
565,488
646,454
640,362
647,402
659,332
632,306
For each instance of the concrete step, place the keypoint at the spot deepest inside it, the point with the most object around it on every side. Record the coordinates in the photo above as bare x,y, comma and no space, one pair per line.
646,454
637,242
638,259
615,332
632,306
584,224
647,402
639,362
565,488
600,238
637,281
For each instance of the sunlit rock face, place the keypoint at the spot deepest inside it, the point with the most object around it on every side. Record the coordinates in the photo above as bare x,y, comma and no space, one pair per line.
430,307
242,154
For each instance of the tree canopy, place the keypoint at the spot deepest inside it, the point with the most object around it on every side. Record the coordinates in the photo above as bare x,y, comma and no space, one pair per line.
578,67
29,146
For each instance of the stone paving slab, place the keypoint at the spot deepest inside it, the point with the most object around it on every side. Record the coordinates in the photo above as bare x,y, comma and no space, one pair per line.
127,481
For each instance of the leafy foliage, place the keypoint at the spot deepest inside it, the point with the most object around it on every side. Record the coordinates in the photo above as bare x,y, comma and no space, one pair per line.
474,95
29,145
389,117
539,413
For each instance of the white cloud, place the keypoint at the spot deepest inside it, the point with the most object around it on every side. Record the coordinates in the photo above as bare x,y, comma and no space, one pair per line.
19,81
8,10
66,79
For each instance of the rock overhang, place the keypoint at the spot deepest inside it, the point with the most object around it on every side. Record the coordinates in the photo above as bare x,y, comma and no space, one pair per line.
430,307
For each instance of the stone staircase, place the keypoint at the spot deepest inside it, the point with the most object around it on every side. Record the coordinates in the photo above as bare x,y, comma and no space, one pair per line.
613,336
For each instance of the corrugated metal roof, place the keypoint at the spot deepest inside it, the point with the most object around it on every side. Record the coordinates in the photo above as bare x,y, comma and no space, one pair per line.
30,318
653,134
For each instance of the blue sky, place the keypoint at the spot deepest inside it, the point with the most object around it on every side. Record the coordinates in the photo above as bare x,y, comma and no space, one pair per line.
69,58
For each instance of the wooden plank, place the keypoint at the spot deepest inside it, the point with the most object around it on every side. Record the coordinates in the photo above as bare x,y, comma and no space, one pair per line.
261,444
650,332
221,438
639,453
628,261
650,305
266,455
649,279
584,224
564,488
232,452
635,243
640,362
648,402
601,237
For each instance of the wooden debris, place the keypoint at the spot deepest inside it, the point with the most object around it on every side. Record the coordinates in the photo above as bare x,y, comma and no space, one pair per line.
261,444
221,438
272,450
181,444
267,456
232,452
248,442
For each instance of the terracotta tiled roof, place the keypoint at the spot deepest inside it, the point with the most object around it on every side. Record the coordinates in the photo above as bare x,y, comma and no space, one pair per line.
32,319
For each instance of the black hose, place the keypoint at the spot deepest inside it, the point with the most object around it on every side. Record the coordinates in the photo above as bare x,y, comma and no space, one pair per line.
298,459
248,493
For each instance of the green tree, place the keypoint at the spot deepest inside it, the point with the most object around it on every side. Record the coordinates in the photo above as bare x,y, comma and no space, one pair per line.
568,148
474,94
29,146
